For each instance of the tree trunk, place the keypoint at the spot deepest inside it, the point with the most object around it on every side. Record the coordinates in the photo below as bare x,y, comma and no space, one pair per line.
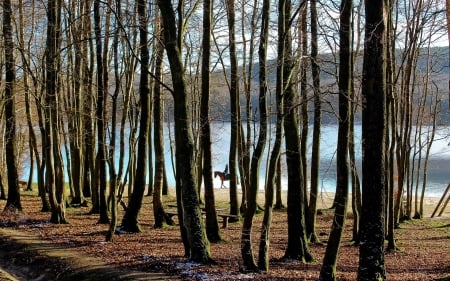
278,198
304,115
13,202
54,164
192,217
234,108
390,131
328,270
315,153
212,227
263,259
130,219
297,248
158,109
371,260
246,236
102,86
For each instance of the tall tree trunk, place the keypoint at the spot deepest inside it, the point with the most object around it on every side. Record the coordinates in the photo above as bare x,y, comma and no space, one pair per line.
74,102
158,109
263,259
13,202
315,153
130,219
212,227
371,259
192,217
234,108
28,72
246,236
304,115
114,181
102,86
54,163
328,270
88,62
297,247
391,124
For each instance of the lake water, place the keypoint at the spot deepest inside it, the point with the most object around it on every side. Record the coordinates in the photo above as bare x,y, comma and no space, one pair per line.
438,166
438,171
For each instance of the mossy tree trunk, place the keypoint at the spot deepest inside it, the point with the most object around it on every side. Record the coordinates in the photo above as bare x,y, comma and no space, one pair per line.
192,217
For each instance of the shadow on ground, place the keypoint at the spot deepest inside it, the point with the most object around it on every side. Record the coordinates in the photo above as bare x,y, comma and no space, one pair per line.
27,257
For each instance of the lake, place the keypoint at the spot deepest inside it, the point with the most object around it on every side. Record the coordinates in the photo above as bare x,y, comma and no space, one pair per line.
438,171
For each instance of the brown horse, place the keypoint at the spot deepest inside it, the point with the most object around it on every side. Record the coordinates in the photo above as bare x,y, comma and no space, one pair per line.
223,177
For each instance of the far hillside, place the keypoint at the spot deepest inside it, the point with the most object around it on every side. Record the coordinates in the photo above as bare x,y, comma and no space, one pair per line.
439,77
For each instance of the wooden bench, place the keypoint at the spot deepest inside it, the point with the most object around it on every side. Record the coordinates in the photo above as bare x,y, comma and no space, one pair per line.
22,184
171,214
225,218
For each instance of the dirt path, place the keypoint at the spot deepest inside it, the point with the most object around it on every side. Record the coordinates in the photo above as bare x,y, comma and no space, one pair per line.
27,257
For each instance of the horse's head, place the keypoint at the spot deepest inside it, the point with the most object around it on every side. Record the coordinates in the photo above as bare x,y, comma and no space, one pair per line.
216,173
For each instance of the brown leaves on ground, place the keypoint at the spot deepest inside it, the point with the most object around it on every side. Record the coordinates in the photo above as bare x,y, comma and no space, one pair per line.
424,245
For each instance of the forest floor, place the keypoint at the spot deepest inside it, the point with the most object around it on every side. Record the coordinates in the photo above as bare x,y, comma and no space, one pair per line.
157,254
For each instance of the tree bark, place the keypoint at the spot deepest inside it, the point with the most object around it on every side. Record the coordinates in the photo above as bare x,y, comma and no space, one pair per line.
130,219
234,108
328,269
13,202
263,259
54,163
371,260
246,236
212,227
158,139
102,86
192,217
297,248
317,123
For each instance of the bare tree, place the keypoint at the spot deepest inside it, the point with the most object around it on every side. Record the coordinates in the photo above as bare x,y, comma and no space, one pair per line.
54,163
371,259
317,123
274,160
130,219
328,270
13,201
252,191
158,110
297,247
192,218
212,227
234,108
102,86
